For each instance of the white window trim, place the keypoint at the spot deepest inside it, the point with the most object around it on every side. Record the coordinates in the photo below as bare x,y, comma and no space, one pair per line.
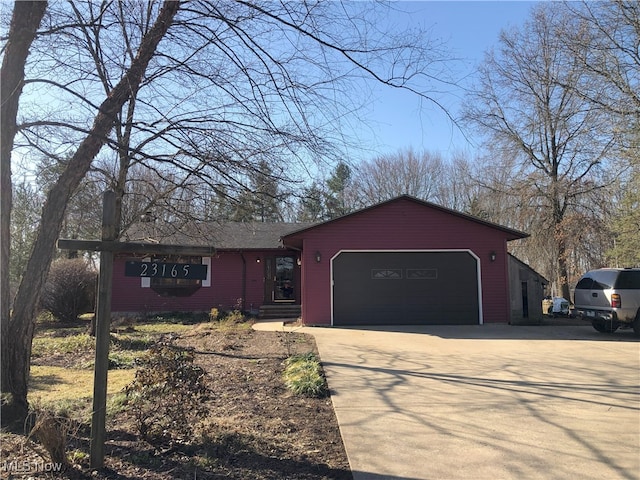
145,282
207,281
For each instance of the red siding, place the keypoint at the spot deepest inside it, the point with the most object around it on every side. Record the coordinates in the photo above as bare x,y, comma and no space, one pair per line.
226,291
403,225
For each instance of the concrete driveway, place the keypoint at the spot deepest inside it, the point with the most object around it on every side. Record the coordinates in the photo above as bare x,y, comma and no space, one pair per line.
485,402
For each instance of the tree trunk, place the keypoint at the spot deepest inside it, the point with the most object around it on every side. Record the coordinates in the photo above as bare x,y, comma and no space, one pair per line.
22,31
17,344
560,238
563,270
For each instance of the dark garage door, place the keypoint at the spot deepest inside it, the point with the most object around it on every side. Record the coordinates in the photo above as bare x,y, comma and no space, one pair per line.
406,288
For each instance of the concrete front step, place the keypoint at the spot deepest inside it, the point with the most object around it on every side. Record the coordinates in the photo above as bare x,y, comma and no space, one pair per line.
279,311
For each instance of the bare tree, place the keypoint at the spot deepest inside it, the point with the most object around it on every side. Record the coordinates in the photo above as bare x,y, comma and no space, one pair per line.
612,62
403,173
235,84
458,188
238,84
16,344
608,51
24,24
528,107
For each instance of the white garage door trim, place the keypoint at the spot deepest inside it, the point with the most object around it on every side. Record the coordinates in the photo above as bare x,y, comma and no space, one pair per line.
478,272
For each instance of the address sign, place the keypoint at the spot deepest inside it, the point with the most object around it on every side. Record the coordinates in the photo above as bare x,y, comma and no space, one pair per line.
191,271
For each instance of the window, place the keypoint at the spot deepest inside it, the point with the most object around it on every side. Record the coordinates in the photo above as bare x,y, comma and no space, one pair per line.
604,279
386,274
175,287
585,283
422,273
628,280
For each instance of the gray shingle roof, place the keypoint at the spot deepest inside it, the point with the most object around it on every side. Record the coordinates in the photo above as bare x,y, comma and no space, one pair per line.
221,236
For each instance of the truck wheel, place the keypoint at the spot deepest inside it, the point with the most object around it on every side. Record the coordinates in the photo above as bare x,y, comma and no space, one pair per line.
604,326
636,324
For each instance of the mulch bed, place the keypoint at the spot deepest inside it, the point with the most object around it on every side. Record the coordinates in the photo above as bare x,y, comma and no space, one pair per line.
256,428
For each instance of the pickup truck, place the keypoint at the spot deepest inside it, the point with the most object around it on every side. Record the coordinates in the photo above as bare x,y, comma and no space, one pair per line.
609,298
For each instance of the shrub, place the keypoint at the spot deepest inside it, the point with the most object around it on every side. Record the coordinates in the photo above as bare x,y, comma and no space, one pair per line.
303,375
70,289
167,395
234,316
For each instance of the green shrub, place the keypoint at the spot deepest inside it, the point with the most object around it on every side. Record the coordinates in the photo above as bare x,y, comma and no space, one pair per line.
303,375
70,289
167,395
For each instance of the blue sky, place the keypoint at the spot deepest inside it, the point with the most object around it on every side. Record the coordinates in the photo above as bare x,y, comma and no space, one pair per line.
400,120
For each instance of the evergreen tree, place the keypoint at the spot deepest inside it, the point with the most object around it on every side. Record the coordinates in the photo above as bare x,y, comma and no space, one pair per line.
312,207
336,198
260,202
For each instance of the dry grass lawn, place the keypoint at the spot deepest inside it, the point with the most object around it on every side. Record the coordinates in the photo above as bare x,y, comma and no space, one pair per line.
53,384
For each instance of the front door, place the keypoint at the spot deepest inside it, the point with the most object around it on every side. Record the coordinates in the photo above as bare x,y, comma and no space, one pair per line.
280,280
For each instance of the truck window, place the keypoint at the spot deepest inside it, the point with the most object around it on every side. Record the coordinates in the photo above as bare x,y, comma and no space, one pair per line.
628,280
585,283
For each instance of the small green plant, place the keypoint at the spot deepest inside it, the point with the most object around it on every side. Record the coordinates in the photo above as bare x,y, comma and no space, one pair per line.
116,403
119,360
234,316
78,456
45,316
214,314
167,395
303,375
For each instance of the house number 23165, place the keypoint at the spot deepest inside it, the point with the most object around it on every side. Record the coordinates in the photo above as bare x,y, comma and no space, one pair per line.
166,270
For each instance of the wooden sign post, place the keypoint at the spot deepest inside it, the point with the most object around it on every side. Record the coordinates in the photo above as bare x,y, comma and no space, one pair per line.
103,321
107,247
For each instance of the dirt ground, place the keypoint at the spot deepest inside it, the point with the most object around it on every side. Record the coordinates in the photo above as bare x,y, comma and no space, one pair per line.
256,428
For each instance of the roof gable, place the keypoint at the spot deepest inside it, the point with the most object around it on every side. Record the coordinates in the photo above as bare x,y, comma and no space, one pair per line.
293,237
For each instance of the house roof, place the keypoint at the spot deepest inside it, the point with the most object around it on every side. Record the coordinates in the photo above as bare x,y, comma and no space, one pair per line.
528,267
221,236
511,234
265,236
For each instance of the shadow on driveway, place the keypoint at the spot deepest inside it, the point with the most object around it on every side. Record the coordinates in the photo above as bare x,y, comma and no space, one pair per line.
546,331
485,402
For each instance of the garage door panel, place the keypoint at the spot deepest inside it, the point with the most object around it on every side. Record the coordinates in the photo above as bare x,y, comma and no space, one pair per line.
405,288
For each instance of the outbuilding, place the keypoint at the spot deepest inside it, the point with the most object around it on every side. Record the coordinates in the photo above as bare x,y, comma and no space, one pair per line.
403,261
